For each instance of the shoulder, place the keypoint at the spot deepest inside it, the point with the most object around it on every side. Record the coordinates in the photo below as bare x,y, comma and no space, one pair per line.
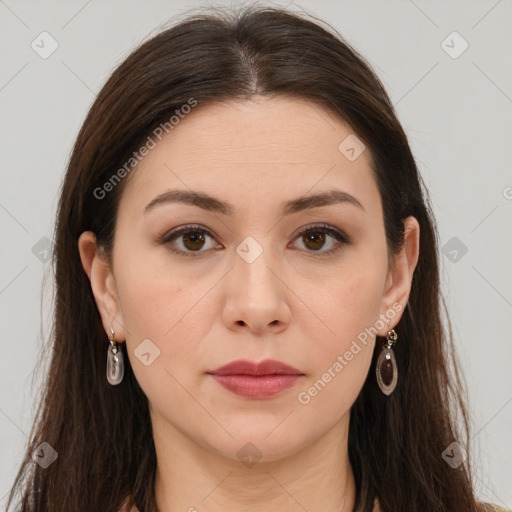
133,509
124,508
490,507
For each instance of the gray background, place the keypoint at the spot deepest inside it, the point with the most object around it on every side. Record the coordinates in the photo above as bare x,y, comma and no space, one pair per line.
456,111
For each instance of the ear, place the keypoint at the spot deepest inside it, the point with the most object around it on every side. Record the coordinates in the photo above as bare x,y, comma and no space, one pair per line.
103,286
399,278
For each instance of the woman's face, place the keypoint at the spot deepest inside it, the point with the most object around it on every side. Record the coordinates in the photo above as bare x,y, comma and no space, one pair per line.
260,271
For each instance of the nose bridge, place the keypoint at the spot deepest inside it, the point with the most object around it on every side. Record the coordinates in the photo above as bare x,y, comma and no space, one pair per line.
256,296
251,266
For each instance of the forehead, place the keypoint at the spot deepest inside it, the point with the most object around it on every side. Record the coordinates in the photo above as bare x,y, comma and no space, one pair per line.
265,148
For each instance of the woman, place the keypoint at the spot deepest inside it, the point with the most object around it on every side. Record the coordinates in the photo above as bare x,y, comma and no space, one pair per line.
248,308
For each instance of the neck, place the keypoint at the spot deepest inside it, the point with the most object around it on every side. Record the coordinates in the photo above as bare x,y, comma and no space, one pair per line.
191,477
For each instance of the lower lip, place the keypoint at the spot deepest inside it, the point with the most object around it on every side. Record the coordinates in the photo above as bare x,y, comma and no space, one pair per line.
262,386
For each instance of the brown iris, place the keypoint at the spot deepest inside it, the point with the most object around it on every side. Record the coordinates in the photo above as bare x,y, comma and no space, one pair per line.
195,239
317,238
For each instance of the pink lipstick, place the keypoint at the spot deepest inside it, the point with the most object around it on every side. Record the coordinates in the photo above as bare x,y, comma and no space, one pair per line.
257,380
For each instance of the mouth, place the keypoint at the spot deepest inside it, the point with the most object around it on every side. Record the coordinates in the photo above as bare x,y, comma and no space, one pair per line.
257,380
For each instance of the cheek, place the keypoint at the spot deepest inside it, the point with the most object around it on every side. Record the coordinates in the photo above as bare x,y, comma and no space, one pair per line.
157,296
346,308
168,306
348,300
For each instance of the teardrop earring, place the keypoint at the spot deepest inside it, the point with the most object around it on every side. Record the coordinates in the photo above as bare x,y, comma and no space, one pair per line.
386,368
115,361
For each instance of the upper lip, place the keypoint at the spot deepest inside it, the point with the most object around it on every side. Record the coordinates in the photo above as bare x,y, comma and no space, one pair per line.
266,367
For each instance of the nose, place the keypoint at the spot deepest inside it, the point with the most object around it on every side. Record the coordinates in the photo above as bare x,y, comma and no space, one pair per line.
257,297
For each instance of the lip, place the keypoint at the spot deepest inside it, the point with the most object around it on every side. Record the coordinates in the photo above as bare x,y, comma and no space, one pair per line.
266,367
257,380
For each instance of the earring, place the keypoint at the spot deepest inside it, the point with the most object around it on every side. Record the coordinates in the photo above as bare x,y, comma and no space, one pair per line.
115,361
386,369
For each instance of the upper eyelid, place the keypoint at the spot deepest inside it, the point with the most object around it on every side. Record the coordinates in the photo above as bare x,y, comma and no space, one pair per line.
184,229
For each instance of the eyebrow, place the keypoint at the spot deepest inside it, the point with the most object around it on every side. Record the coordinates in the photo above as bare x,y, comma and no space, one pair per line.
209,203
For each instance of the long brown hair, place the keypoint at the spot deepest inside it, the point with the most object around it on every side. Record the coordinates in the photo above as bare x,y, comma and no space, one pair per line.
102,434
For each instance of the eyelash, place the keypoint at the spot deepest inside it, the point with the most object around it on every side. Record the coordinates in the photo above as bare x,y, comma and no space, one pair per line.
340,236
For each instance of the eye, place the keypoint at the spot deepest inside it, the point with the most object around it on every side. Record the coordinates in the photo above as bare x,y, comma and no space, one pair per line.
193,240
314,239
190,240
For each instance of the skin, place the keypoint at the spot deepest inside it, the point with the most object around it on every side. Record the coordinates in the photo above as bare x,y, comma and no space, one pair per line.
291,304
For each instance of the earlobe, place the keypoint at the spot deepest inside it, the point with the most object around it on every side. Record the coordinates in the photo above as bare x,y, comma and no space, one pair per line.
102,281
399,279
